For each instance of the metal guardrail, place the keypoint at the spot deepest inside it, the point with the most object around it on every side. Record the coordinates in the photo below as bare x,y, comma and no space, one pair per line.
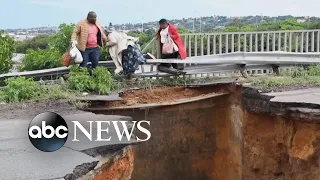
205,64
50,72
248,58
209,70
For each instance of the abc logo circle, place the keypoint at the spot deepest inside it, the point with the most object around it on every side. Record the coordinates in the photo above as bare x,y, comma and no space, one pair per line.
48,132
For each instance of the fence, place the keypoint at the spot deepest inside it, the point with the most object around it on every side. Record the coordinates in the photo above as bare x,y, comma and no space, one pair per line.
200,44
225,44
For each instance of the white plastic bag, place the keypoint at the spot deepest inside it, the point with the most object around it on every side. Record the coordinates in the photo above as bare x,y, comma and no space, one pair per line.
168,46
78,59
76,55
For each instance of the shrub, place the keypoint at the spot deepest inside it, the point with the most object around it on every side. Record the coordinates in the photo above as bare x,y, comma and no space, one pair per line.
103,80
49,57
41,59
38,42
105,56
79,79
62,39
7,47
100,81
19,89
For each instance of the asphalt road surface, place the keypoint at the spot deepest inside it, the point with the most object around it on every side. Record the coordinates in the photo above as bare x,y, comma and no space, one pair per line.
20,160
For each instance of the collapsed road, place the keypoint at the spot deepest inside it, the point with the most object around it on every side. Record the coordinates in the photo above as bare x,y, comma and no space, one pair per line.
220,131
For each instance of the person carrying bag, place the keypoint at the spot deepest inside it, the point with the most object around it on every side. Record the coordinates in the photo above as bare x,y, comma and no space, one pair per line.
73,55
169,47
76,55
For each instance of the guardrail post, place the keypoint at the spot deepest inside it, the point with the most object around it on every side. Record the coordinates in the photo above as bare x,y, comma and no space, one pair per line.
243,70
275,69
305,67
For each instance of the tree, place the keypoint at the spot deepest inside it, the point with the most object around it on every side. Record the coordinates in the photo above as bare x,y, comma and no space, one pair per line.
50,57
110,24
143,37
183,30
38,42
149,32
7,47
61,40
41,59
291,24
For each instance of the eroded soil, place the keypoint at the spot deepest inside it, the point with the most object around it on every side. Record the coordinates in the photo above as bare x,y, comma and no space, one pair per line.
280,148
161,95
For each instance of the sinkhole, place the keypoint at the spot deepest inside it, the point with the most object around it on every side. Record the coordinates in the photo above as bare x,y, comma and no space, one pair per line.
216,132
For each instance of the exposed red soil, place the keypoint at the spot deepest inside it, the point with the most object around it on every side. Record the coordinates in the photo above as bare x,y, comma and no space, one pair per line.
190,141
160,95
119,169
280,148
219,139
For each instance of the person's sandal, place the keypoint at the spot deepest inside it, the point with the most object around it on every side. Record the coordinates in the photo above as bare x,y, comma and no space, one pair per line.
131,78
179,72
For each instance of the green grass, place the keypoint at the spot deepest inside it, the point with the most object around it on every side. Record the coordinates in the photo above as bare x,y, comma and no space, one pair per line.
299,76
101,81
22,89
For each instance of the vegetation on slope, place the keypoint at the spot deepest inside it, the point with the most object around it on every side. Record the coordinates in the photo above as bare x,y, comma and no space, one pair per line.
102,82
299,76
23,89
7,46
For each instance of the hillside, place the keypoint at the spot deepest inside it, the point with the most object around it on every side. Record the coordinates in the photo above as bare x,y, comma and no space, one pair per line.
210,23
206,24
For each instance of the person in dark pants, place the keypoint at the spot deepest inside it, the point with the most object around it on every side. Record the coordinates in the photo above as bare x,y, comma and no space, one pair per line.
166,31
88,36
90,55
165,67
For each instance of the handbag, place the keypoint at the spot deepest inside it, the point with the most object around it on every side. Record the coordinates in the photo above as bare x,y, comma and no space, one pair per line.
66,59
168,46
76,55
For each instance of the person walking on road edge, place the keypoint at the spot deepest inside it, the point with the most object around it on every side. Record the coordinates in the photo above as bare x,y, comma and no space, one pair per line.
87,36
171,47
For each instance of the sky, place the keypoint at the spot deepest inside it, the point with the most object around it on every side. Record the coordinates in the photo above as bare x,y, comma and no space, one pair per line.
38,13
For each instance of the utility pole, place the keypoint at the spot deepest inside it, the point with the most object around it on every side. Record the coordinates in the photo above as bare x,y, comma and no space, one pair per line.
256,20
194,19
200,23
193,24
142,25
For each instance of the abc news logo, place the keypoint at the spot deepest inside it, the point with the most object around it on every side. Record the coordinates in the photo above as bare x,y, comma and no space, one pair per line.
48,131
